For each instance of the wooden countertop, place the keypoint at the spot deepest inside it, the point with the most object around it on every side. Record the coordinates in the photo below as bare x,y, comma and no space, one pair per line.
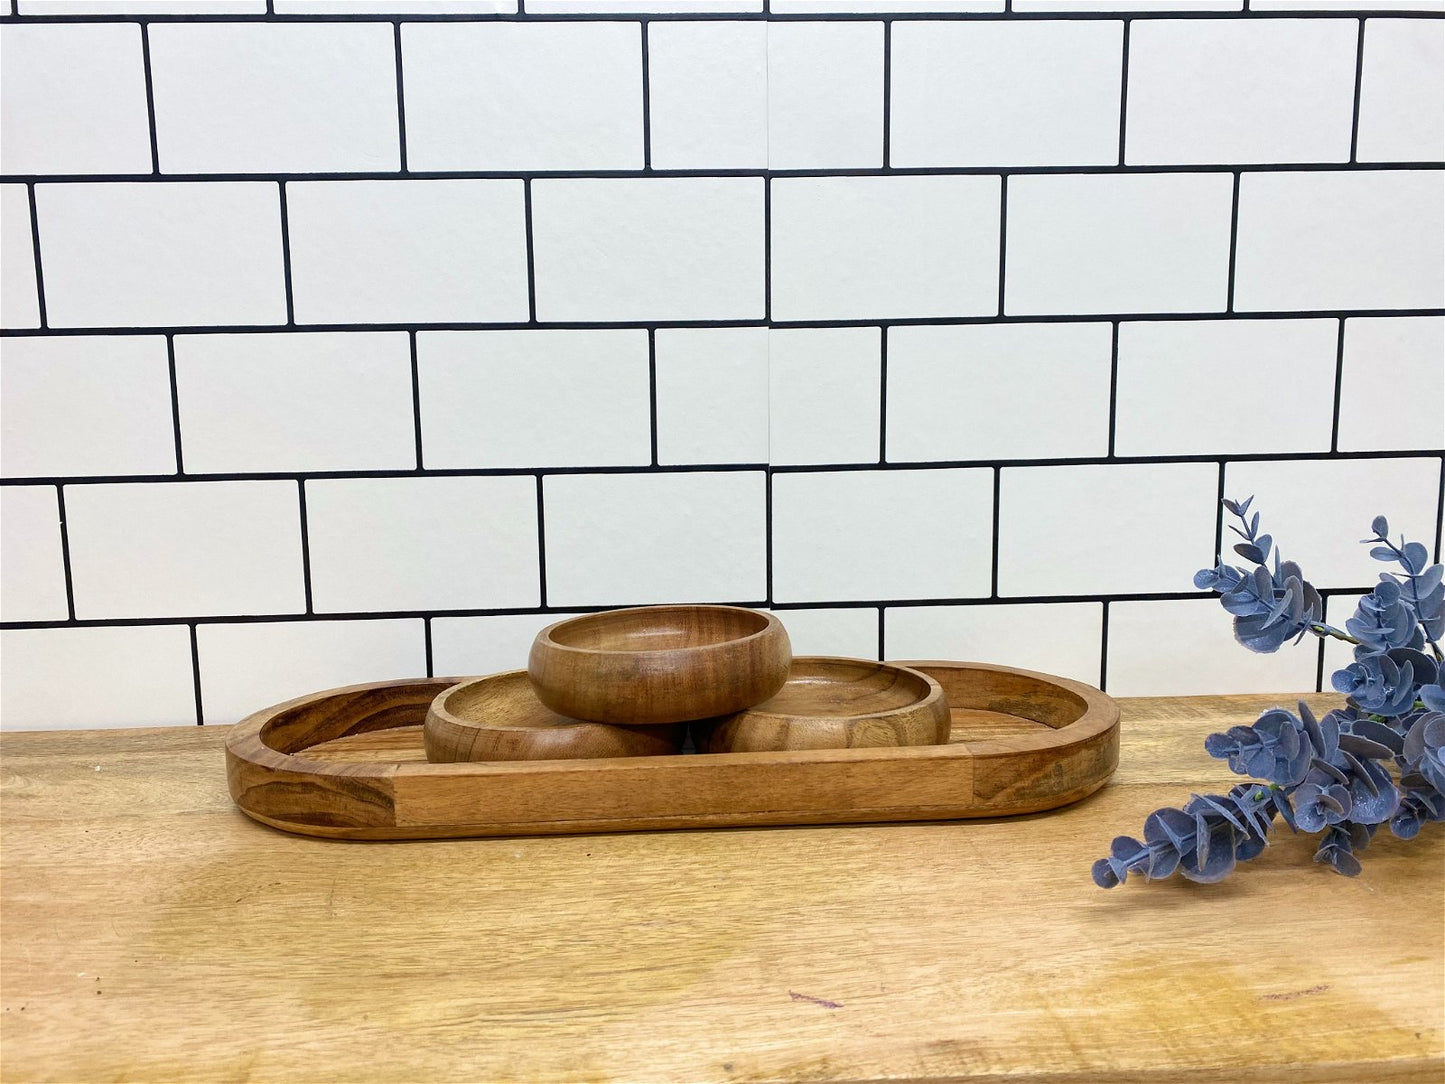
150,931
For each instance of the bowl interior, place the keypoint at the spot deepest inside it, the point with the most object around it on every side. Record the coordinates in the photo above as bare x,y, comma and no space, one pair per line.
659,628
842,688
501,700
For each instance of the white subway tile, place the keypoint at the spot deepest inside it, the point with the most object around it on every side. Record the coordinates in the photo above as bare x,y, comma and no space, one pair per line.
998,93
998,391
192,549
313,401
1186,647
247,667
849,632
825,95
641,7
1240,90
1196,387
268,97
142,7
422,543
1061,638
1105,529
882,7
32,572
648,248
712,395
863,247
1402,91
534,398
486,645
80,678
83,404
708,94
624,539
1373,239
1350,5
73,99
1402,357
503,96
1068,7
408,251
1317,509
898,534
823,400
155,254
1118,244
395,7
19,298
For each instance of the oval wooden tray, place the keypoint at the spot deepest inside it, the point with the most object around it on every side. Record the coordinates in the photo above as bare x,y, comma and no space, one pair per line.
349,764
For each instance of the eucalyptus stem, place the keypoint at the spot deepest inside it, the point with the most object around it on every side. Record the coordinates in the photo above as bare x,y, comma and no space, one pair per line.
1320,629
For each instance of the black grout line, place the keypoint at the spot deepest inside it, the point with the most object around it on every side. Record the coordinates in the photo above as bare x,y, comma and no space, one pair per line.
145,54
1339,384
1320,667
764,15
400,102
1233,244
1104,648
1359,80
652,390
768,535
305,544
881,654
601,325
730,468
1440,512
887,93
65,552
883,395
175,403
541,545
1124,91
426,643
531,252
844,604
1002,238
416,400
646,107
1113,387
1219,515
39,267
286,258
993,545
994,170
196,675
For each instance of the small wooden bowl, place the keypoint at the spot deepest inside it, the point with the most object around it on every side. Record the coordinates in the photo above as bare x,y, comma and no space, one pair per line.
660,664
831,703
500,718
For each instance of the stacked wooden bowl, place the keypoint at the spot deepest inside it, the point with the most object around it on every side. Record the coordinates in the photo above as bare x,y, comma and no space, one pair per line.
639,682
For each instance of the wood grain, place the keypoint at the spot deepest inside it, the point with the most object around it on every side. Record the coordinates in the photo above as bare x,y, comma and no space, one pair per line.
276,776
500,718
659,664
833,703
149,931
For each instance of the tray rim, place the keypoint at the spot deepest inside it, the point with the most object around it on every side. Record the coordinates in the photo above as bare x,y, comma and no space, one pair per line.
249,754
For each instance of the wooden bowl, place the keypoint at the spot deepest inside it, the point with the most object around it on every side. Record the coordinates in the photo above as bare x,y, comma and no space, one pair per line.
659,664
500,718
831,703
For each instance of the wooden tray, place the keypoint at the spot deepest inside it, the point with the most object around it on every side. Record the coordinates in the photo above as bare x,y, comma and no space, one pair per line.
349,764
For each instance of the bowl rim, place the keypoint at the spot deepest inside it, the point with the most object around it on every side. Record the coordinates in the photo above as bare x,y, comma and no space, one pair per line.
771,627
933,693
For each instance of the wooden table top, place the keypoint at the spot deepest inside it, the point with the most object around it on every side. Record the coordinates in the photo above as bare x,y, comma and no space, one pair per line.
150,931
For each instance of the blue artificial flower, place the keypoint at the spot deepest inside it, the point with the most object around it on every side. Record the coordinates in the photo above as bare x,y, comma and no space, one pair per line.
1275,748
1424,749
1377,683
1316,806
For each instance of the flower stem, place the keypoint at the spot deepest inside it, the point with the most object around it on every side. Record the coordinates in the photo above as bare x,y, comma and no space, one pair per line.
1320,629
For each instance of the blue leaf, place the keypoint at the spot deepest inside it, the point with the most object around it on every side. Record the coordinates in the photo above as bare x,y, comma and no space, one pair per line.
1381,526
